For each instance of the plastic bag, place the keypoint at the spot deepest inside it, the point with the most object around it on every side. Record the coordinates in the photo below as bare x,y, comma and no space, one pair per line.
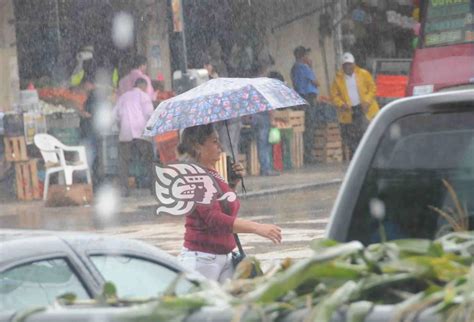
274,137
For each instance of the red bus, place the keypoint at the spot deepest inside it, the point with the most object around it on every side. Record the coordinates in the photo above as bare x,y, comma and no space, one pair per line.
444,58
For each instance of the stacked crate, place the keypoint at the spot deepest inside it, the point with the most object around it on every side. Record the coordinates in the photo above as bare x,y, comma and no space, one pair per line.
253,164
26,171
328,143
296,121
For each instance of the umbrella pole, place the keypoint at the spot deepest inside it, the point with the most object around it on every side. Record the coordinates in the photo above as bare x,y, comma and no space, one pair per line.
233,155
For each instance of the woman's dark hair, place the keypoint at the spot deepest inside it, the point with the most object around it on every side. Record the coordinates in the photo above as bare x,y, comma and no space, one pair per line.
276,75
139,61
192,136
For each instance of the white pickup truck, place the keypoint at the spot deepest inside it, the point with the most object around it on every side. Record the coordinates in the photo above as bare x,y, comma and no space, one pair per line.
409,149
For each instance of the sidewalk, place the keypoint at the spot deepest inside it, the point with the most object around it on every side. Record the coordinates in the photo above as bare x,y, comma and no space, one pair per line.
292,180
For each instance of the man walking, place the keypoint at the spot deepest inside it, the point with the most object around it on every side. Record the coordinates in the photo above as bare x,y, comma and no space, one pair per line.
353,92
139,69
132,112
305,83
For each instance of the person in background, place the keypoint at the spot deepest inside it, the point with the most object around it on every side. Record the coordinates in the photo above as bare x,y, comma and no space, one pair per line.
132,112
139,69
353,92
209,229
305,83
85,66
160,93
211,70
88,135
262,123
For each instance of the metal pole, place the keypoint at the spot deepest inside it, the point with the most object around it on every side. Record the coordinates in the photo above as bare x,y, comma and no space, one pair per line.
178,26
58,31
184,66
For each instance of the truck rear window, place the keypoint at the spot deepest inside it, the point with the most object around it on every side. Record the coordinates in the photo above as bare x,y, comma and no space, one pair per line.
448,23
408,176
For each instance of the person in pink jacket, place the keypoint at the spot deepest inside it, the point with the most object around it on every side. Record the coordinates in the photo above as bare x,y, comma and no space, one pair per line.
128,82
132,112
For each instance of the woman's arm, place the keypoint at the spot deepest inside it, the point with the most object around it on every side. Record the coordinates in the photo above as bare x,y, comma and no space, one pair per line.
269,231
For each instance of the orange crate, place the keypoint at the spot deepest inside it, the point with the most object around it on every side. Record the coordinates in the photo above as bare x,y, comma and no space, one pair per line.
15,149
297,150
27,184
221,166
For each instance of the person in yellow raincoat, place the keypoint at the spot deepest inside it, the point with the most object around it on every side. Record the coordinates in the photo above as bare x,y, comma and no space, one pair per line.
353,93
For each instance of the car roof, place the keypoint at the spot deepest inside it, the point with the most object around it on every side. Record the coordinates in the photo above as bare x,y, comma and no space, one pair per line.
18,243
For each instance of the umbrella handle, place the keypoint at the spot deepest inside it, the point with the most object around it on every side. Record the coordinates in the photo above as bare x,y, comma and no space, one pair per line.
233,156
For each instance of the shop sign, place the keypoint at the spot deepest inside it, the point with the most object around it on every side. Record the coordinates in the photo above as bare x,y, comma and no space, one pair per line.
439,3
446,37
448,10
445,25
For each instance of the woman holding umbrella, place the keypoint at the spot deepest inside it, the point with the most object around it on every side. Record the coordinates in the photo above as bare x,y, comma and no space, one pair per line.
209,235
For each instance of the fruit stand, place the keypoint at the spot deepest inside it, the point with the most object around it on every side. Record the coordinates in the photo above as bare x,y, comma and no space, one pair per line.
53,111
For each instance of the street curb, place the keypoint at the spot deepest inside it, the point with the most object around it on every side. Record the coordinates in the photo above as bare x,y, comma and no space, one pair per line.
274,191
284,189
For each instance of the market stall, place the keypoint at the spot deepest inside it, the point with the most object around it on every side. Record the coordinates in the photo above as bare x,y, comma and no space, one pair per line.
52,111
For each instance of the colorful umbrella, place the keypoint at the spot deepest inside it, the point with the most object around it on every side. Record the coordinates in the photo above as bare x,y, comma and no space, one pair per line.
221,99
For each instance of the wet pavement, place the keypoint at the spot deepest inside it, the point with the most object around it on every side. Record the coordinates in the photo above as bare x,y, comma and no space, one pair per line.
299,201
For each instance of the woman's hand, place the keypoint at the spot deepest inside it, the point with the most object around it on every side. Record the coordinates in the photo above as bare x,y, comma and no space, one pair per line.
269,231
239,171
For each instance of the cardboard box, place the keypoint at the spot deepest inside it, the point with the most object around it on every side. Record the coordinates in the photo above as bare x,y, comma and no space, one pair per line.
65,196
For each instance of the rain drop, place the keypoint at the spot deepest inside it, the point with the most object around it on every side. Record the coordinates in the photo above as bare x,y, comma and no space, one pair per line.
107,203
395,132
122,30
104,120
377,208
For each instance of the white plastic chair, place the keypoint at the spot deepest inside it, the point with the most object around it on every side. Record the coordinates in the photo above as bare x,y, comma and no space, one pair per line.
52,151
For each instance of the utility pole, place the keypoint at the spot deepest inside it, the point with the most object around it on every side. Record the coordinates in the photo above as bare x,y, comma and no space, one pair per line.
340,7
179,27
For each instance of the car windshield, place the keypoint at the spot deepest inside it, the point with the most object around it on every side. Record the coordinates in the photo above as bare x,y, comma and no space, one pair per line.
423,165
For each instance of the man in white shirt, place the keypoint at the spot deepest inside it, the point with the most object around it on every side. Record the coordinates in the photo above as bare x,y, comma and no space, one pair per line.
353,92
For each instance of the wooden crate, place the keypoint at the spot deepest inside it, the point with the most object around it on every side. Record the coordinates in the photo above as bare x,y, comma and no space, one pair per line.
132,183
328,147
221,166
294,119
297,150
15,149
328,155
253,163
27,184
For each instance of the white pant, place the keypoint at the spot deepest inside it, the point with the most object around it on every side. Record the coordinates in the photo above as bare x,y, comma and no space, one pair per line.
213,266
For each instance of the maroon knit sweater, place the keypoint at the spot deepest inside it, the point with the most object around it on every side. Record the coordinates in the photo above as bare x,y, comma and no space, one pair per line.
209,228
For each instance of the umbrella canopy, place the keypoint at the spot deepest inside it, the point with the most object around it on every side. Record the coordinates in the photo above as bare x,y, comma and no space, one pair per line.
221,99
